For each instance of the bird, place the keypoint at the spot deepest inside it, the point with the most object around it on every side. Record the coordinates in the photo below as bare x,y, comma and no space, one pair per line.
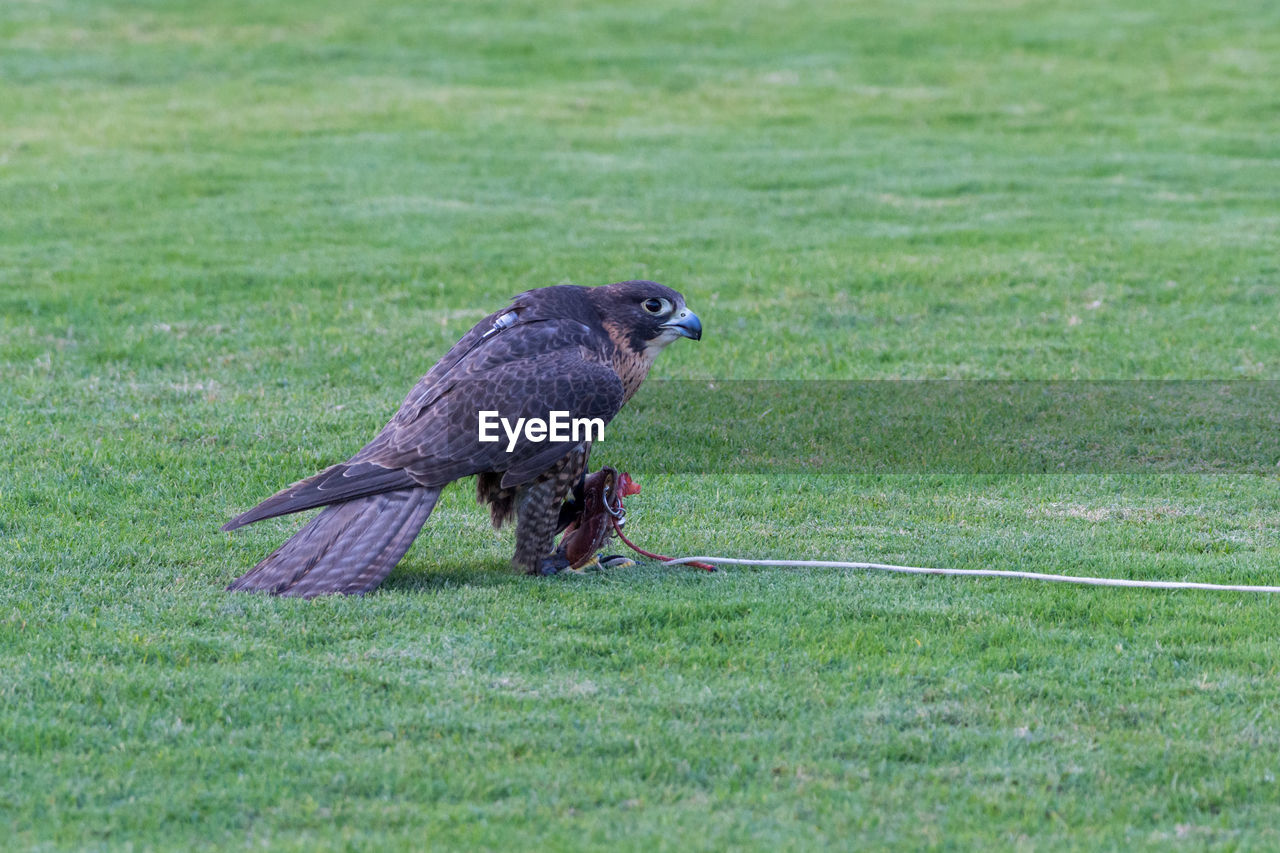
566,348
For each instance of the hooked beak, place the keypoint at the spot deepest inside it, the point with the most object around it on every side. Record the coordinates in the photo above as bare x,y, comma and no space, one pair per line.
686,324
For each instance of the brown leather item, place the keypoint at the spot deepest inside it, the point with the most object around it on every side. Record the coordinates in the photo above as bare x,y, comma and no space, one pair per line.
602,494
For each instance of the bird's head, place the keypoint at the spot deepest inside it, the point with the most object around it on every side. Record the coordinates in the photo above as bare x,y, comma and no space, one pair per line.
646,314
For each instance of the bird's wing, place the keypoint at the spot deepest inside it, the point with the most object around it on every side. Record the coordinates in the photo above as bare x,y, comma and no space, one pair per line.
525,370
439,442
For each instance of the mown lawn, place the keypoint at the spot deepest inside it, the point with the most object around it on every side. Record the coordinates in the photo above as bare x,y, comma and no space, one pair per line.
233,234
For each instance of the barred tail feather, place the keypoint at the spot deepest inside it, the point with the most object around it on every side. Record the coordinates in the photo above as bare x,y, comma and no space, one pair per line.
348,548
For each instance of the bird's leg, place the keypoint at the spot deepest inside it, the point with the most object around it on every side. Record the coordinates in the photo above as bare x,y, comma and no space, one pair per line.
553,564
574,503
537,510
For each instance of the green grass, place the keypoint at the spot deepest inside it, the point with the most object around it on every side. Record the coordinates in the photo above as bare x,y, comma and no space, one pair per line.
232,235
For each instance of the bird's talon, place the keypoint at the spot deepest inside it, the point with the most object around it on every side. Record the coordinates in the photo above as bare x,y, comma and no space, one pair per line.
592,565
552,565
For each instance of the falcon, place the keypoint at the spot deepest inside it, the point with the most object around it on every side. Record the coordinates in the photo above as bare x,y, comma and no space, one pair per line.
580,350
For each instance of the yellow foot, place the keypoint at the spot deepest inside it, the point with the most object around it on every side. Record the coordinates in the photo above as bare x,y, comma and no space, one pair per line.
592,565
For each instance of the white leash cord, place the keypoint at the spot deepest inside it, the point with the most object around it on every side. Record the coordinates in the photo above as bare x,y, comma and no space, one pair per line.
977,573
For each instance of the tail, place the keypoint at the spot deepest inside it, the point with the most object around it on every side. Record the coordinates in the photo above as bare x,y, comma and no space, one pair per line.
348,548
333,485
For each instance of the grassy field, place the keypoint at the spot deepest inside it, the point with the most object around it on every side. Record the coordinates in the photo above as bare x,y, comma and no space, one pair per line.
233,234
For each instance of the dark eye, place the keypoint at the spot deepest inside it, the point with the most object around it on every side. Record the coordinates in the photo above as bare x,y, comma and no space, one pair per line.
656,305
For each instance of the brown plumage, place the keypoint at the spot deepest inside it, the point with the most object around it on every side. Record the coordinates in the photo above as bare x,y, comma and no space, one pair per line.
584,350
